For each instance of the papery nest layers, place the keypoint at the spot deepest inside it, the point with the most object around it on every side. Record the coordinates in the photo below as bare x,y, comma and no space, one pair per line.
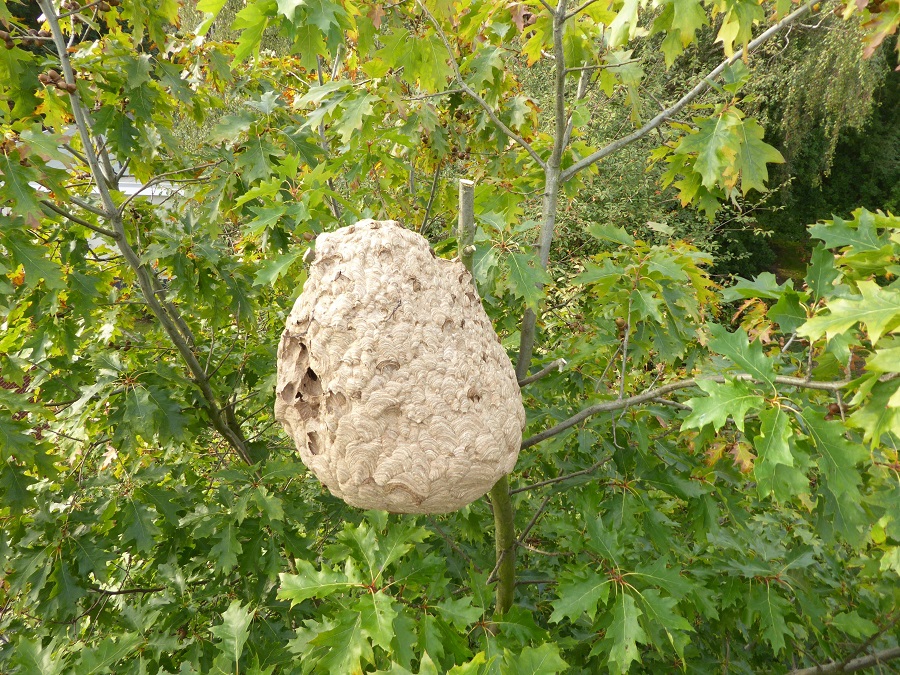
391,379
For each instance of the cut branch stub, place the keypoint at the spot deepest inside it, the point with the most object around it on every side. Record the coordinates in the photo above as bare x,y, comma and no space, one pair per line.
391,379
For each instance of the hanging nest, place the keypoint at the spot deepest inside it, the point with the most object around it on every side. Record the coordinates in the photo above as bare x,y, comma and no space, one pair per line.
391,379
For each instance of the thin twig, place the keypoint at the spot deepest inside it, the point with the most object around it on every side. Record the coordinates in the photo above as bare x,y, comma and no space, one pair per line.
559,479
534,518
162,176
126,591
580,8
434,185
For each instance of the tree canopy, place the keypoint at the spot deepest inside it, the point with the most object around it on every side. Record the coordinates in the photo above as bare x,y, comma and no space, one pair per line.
709,480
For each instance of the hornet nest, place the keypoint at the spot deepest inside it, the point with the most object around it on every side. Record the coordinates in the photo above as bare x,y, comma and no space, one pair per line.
391,379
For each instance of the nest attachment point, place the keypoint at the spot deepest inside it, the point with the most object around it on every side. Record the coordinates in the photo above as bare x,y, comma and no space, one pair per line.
391,379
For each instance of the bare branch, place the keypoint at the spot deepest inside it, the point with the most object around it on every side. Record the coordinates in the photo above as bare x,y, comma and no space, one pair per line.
622,403
852,665
75,219
557,365
471,92
701,87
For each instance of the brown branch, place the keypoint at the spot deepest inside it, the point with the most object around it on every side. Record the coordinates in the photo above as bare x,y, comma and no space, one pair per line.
700,88
622,403
852,665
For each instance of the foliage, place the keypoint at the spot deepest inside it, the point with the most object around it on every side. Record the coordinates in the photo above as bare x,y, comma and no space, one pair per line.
687,496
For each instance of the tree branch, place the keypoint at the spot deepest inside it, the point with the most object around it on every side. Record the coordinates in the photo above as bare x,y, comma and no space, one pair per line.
145,278
580,8
512,135
559,479
557,365
161,177
434,185
701,87
651,394
126,591
75,219
852,665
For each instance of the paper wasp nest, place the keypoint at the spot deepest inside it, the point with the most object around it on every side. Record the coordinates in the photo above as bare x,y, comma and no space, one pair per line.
391,379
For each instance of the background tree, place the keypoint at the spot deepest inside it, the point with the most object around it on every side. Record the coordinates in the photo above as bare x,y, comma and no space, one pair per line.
685,494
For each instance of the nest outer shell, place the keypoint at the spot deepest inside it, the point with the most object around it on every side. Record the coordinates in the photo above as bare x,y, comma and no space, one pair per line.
391,380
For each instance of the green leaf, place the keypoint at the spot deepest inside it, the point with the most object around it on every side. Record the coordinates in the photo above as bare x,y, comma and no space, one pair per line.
353,113
288,8
14,483
663,615
348,645
227,548
878,308
542,660
714,142
748,357
763,286
234,630
879,415
771,608
774,464
623,635
579,595
821,273
275,269
732,399
839,456
251,21
15,190
753,155
526,279
108,653
610,233
32,659
459,612
140,527
311,583
858,234
854,625
66,589
377,613
37,266
788,313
